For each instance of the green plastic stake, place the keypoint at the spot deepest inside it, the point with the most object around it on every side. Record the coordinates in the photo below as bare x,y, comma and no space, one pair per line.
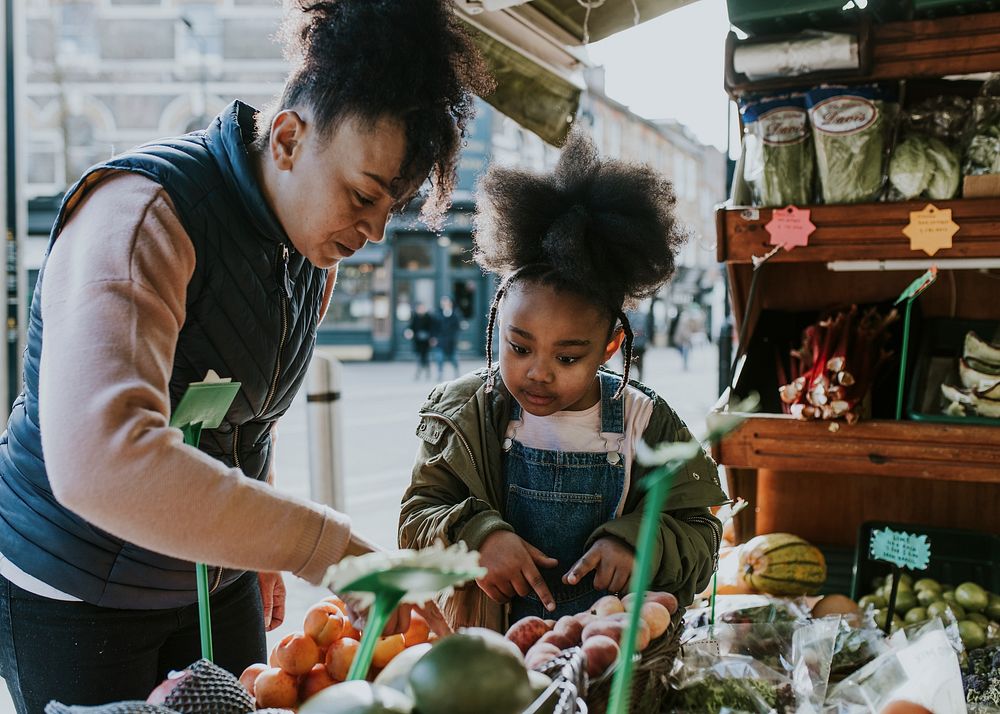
203,406
913,290
416,576
673,457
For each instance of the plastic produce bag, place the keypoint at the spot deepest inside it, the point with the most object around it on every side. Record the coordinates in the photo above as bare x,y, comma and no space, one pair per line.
850,128
926,161
982,151
706,683
778,160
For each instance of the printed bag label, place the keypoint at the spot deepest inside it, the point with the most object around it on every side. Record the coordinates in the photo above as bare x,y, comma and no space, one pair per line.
844,115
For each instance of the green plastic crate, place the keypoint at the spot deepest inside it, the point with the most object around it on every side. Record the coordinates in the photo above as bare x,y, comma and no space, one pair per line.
773,17
957,556
931,9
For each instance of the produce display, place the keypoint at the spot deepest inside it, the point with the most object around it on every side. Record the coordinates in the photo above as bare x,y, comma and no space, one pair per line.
779,162
982,154
832,373
783,564
982,679
979,374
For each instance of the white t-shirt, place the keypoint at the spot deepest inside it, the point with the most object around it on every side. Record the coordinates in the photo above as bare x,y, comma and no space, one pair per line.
578,431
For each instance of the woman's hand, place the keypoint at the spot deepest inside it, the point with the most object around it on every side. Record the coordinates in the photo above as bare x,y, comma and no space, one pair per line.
512,568
611,560
272,594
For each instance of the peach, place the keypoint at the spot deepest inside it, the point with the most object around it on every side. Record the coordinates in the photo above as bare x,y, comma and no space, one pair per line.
324,623
340,656
584,618
419,630
272,658
600,652
335,600
668,600
549,623
526,632
296,653
557,639
276,688
163,689
540,653
386,648
570,628
657,617
250,675
350,630
644,635
604,626
607,605
316,680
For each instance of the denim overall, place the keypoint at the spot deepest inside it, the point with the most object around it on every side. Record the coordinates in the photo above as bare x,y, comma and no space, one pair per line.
556,500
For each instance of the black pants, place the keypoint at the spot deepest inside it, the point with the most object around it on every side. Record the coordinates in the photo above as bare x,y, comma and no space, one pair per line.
78,653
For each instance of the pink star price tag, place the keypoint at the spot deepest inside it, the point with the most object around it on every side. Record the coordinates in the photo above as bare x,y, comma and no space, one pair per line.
790,227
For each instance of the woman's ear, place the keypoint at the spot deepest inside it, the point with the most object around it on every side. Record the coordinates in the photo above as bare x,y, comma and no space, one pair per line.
287,130
615,344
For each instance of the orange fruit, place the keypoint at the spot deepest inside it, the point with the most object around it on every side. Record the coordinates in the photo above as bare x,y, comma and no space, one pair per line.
340,656
386,648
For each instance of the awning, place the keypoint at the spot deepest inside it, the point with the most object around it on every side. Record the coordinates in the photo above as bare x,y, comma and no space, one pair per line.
535,50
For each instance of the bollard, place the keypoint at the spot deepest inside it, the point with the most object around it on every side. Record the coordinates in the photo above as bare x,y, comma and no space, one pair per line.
326,443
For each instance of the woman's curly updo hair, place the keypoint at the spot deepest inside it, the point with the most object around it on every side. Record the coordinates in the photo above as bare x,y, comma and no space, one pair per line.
405,59
602,229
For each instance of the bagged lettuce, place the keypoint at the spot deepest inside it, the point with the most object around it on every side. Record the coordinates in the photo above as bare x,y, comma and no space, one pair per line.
924,166
850,127
778,162
982,151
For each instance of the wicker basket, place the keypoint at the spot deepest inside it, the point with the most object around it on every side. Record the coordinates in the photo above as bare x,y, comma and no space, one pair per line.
651,669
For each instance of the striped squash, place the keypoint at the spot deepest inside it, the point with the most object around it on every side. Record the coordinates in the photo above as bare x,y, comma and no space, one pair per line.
782,564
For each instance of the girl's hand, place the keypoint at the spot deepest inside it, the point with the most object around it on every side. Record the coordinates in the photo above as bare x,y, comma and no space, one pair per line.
512,568
611,559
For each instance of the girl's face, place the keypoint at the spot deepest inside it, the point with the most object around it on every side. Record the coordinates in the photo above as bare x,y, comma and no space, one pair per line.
551,345
331,192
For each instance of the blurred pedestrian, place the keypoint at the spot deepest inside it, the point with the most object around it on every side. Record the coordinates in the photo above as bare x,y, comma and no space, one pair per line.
447,325
639,320
420,332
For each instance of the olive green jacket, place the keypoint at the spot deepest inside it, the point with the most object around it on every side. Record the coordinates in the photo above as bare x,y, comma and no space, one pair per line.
457,493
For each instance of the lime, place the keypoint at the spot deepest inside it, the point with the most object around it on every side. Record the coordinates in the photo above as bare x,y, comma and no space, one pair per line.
926,597
979,618
972,597
905,601
917,614
876,601
972,634
938,609
880,616
927,584
949,597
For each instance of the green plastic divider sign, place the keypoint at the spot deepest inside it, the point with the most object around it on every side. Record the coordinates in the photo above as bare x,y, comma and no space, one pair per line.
904,550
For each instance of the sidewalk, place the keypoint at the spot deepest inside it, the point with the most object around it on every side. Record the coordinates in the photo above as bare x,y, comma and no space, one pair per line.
381,400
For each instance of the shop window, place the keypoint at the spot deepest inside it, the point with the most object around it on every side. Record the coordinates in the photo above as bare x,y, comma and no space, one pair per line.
351,304
460,253
415,254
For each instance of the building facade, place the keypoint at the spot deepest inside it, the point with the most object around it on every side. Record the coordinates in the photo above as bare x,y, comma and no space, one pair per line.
105,75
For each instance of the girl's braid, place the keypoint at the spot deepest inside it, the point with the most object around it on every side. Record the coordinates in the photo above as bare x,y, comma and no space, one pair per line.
627,354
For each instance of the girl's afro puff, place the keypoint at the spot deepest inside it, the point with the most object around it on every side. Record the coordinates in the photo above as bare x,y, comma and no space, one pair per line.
604,228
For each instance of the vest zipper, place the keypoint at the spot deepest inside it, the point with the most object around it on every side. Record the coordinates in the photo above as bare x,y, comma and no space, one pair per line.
285,293
451,422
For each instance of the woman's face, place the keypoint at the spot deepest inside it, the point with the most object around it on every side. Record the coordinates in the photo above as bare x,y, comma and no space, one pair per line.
551,345
332,192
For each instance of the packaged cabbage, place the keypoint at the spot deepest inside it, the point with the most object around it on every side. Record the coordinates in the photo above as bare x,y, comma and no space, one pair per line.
910,167
778,160
849,126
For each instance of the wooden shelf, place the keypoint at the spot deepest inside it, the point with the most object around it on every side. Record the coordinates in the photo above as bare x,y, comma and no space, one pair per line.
962,45
904,449
866,231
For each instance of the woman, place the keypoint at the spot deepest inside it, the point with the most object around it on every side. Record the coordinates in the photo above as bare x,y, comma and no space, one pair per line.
215,250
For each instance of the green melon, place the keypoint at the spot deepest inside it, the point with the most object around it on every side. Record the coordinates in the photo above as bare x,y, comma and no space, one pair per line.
782,564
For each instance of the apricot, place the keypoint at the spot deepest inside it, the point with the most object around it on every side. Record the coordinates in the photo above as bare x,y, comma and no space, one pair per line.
296,653
668,600
340,656
335,600
324,623
540,653
557,639
607,605
419,630
386,648
600,652
317,679
570,628
526,632
250,675
276,688
350,630
656,617
272,658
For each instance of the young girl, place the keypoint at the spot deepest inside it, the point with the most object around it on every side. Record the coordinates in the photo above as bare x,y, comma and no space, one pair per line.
535,466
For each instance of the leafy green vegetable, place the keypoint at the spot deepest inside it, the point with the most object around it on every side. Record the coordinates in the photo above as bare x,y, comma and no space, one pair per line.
910,167
778,163
849,131
710,696
945,174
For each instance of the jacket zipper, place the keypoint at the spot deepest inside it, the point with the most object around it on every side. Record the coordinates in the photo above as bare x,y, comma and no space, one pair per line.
285,293
451,422
716,534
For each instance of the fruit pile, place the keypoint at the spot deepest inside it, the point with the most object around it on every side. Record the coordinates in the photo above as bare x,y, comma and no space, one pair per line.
307,662
599,631
976,610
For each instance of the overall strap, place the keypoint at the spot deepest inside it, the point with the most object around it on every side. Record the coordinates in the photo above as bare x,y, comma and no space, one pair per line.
612,410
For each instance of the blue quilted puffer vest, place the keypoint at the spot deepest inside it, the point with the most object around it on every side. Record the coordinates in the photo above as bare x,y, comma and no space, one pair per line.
252,311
